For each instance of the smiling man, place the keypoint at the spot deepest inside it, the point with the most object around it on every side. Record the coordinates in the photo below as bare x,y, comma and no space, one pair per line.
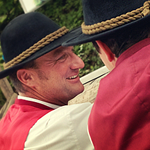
46,77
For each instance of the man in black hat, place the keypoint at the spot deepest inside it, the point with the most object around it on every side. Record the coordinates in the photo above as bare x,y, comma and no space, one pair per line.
45,75
120,31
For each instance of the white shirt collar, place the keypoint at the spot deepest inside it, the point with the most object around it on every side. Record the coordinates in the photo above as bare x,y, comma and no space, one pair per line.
38,101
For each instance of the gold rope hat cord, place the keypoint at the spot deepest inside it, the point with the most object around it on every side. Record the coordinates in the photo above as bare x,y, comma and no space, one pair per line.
37,46
120,20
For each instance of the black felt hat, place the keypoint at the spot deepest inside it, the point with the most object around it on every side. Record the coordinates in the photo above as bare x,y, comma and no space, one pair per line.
102,18
28,37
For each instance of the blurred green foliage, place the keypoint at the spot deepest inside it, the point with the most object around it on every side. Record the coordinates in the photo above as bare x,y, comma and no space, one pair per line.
65,13
8,10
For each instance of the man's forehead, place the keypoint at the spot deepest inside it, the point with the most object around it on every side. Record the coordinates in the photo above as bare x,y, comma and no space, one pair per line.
60,49
55,52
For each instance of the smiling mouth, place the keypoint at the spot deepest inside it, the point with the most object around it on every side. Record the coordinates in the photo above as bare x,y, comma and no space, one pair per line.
73,77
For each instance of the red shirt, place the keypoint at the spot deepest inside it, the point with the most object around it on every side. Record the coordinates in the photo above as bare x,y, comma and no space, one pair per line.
14,127
120,117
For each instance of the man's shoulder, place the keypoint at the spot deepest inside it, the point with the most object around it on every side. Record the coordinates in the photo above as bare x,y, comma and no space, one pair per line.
69,113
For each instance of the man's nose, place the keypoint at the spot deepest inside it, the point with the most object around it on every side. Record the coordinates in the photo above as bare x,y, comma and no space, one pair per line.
77,62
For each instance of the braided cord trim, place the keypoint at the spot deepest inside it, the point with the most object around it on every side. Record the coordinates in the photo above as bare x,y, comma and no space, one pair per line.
37,46
118,21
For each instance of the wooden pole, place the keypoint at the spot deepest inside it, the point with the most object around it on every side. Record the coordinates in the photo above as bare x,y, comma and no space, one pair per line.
7,104
6,87
8,93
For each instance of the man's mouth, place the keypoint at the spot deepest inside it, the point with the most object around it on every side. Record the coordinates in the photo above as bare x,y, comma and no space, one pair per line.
73,77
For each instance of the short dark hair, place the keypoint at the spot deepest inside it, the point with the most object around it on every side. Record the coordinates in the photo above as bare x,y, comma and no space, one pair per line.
13,76
121,41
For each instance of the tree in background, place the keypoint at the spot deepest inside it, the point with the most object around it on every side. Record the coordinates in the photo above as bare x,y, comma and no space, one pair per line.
9,9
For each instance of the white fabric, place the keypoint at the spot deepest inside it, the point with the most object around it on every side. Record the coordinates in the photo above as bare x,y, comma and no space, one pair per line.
64,128
38,101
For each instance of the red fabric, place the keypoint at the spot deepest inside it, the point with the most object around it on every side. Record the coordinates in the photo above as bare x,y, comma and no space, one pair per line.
14,127
120,117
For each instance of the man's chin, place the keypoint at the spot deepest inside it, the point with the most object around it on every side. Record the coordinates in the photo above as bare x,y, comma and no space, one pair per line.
80,89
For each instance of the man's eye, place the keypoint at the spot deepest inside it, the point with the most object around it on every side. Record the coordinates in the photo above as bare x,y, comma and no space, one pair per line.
63,57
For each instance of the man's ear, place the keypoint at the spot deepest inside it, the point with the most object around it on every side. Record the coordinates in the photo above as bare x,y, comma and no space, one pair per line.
103,47
25,76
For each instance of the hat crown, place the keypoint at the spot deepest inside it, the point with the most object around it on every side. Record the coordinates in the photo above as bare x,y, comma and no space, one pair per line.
96,11
22,33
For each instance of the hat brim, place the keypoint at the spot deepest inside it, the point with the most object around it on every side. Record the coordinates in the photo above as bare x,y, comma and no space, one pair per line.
51,46
84,38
